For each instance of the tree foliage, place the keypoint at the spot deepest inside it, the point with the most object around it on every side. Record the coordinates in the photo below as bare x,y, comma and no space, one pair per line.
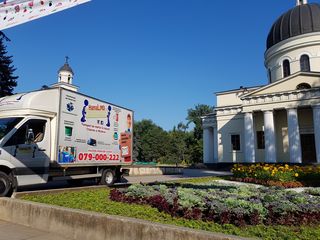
194,116
180,145
150,141
7,78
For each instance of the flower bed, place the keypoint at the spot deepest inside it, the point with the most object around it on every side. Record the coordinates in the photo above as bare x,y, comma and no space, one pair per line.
226,204
282,175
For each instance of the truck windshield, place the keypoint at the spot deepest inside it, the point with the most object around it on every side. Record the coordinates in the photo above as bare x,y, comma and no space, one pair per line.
7,124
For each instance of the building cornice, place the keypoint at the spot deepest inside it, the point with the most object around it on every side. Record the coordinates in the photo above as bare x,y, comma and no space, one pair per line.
286,96
209,121
313,74
238,90
229,110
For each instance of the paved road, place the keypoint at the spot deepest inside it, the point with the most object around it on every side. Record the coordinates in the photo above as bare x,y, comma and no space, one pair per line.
187,173
11,231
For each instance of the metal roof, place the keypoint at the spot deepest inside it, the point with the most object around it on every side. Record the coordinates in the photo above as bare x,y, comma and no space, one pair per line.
67,68
302,19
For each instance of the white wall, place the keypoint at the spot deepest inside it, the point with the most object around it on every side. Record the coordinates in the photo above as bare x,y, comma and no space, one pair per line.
232,98
233,124
258,121
282,139
229,99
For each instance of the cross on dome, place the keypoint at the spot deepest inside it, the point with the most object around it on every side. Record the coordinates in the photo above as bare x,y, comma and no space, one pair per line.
301,2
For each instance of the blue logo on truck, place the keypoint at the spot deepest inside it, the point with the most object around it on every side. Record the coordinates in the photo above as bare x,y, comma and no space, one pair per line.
86,103
108,116
70,107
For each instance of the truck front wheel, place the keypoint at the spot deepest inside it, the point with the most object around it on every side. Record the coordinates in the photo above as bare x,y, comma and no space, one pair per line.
108,177
6,188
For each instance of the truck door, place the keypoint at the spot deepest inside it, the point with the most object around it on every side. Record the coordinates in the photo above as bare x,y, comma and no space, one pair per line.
30,151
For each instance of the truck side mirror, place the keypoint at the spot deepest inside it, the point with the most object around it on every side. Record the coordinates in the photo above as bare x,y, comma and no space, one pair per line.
30,136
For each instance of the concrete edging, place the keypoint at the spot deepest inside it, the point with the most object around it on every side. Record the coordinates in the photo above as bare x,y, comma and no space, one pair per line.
85,225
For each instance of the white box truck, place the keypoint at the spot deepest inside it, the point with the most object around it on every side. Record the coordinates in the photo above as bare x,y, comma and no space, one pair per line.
59,134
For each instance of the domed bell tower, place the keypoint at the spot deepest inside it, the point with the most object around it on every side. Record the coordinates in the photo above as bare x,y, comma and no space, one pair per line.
66,73
65,77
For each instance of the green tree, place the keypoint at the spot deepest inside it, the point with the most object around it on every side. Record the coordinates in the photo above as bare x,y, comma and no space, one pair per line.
195,147
7,79
195,143
182,127
194,116
136,151
151,141
177,151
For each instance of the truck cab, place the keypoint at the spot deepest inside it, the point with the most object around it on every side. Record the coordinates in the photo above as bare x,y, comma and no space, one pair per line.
25,137
24,151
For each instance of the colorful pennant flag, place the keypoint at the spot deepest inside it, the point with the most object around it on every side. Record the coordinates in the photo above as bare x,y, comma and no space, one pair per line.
15,12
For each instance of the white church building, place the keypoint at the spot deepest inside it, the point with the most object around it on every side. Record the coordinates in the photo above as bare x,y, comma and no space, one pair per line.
280,121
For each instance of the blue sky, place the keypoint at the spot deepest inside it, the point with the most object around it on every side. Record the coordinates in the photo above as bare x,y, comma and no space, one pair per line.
157,57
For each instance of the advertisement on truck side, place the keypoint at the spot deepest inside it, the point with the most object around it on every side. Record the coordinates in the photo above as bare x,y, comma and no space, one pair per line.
92,131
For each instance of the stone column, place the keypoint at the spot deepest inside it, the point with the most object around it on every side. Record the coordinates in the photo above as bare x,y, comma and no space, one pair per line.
249,138
270,137
207,145
316,126
215,145
294,136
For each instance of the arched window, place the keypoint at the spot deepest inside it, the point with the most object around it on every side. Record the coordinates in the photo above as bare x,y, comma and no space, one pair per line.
304,63
269,75
286,68
303,86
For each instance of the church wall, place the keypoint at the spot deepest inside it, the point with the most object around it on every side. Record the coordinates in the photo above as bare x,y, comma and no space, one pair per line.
258,126
281,131
282,140
234,124
228,125
229,99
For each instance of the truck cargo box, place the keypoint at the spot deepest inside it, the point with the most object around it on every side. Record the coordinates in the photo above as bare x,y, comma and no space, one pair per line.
93,132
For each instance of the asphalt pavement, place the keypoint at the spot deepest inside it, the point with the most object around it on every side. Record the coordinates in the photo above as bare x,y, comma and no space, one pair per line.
187,173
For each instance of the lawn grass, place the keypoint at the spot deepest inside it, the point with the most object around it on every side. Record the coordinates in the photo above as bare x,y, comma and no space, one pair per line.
98,201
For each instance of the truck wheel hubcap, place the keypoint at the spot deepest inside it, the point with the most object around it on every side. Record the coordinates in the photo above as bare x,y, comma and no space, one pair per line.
109,177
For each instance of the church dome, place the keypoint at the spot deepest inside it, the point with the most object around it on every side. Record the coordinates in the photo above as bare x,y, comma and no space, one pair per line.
302,19
66,68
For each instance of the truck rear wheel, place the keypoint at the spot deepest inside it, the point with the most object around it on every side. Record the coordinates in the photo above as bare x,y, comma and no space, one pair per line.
108,177
6,182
